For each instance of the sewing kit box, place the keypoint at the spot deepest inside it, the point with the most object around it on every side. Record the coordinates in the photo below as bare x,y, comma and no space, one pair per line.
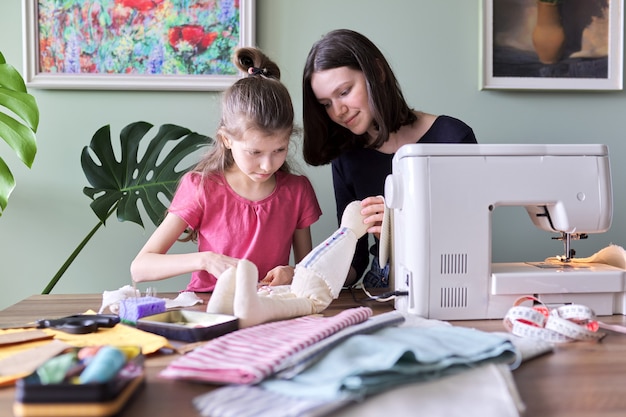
67,399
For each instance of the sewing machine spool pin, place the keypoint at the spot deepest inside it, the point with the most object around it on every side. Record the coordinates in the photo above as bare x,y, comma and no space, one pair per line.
569,252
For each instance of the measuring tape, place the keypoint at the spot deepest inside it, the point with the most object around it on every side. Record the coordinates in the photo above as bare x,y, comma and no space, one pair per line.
567,323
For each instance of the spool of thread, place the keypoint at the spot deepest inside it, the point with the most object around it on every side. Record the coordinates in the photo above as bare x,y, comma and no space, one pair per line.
104,366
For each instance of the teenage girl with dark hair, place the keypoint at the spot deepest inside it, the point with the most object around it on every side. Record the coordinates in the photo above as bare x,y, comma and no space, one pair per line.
356,118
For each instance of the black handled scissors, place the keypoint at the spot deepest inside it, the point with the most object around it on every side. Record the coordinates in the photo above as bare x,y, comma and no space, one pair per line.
76,324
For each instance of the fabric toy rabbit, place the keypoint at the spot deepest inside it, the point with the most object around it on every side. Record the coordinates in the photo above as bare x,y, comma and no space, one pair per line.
317,280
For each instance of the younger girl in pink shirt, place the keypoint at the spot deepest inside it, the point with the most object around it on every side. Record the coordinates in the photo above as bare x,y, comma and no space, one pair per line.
240,201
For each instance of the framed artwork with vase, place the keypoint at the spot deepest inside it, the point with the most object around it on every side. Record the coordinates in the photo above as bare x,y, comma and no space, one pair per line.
552,44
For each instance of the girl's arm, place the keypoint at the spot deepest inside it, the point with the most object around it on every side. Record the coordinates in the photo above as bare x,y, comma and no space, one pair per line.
302,243
152,263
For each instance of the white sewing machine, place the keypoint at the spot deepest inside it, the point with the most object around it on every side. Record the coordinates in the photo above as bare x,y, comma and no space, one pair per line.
442,198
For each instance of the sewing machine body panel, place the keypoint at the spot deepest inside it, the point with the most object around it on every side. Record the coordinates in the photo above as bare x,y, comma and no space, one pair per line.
554,278
555,283
442,198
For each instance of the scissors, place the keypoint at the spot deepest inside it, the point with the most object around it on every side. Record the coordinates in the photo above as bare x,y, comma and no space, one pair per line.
76,324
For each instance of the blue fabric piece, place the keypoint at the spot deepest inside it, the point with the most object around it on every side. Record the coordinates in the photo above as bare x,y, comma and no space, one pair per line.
299,361
366,364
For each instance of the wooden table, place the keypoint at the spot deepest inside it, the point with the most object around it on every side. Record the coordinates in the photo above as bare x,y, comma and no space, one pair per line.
577,380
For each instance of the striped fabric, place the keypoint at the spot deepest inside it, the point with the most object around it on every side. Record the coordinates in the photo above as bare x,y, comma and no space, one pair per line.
301,360
250,355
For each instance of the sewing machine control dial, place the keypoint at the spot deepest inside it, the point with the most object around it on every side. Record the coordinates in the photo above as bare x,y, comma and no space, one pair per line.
393,191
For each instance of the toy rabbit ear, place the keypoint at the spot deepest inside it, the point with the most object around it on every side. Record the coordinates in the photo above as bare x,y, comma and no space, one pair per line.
222,299
252,309
384,244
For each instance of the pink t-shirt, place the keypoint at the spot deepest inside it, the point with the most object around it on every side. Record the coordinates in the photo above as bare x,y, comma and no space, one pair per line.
259,231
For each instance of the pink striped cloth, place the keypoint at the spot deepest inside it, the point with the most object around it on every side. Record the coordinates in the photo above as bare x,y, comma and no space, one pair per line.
250,355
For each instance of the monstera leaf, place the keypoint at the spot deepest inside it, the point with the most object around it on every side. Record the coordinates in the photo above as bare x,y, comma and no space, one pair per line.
18,134
119,185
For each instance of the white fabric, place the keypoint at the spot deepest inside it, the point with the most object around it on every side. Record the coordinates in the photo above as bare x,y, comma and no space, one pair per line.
612,255
184,299
111,299
384,243
485,391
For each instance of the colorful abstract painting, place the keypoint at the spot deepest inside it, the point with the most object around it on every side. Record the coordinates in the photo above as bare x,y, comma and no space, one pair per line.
137,37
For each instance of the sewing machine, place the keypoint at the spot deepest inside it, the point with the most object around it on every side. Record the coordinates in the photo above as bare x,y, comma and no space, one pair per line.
442,198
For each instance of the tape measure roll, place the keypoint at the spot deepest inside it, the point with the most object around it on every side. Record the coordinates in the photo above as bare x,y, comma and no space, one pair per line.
567,323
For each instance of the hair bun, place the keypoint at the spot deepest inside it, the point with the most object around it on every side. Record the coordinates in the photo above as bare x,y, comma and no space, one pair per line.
246,61
252,58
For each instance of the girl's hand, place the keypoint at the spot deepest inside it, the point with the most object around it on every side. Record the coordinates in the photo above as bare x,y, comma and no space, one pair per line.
281,275
216,264
373,208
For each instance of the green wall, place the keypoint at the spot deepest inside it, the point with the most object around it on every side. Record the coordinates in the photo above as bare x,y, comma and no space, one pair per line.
434,48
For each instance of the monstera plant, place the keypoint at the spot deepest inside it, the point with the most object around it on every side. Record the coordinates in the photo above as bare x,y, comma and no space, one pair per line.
18,134
117,186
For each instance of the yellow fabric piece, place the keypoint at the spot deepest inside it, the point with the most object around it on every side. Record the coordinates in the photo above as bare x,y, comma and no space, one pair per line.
119,335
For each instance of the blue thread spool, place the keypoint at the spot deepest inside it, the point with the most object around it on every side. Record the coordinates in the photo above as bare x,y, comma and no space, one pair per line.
104,366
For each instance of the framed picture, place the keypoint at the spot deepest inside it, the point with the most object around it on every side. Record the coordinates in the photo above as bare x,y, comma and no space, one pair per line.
135,44
552,44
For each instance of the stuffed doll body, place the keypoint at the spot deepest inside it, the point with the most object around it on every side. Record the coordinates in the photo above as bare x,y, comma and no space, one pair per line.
317,280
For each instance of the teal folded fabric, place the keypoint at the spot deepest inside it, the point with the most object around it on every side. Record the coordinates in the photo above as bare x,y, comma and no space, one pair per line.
301,360
366,364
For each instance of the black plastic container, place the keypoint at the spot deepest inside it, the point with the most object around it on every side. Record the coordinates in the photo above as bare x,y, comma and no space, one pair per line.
34,399
188,325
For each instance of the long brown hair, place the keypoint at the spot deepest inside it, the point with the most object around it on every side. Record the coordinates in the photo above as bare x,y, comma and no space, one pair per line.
325,140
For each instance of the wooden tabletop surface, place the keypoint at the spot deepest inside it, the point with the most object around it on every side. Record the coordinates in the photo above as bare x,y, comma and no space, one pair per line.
581,379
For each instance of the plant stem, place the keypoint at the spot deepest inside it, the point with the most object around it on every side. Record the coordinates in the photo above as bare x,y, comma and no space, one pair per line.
74,254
